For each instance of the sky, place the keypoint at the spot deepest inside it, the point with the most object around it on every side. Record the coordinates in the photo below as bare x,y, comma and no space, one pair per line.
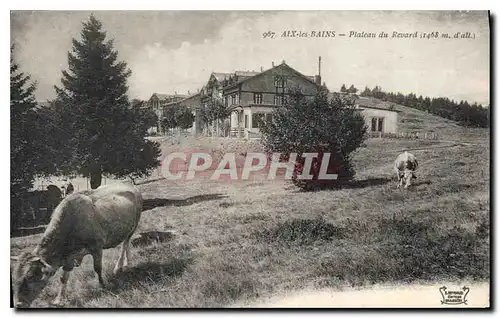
175,51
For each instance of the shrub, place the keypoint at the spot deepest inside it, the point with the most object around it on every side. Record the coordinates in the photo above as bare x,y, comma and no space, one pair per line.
316,125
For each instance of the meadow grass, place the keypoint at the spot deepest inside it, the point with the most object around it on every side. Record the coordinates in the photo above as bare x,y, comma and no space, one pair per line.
247,240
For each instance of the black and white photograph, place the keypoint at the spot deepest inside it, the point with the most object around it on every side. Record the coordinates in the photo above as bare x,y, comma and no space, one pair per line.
250,159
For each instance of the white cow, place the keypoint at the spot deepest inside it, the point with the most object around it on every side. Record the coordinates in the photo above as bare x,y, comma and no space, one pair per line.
82,224
405,166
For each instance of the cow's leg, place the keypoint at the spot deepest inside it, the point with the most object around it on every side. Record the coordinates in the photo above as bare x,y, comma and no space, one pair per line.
59,300
119,263
126,244
400,179
97,256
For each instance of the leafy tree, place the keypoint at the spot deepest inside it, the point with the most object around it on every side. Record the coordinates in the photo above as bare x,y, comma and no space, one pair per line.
105,134
176,116
320,125
184,117
214,111
169,120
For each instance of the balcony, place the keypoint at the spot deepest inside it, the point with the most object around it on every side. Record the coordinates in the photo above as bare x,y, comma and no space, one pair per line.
237,132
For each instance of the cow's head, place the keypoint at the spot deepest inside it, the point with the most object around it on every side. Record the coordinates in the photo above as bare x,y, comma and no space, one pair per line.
30,277
408,175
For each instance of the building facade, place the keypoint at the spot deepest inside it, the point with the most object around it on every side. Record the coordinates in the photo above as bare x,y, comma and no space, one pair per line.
379,120
253,99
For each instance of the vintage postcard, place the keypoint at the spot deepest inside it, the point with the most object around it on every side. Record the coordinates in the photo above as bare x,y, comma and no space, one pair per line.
250,159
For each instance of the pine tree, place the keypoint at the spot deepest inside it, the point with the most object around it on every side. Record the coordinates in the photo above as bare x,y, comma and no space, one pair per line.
31,153
352,89
343,89
104,133
367,92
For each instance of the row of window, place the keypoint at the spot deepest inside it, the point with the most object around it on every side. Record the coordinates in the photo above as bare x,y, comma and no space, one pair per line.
258,119
257,99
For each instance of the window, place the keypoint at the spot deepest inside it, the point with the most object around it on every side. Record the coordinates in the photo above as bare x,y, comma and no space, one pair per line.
278,99
374,124
257,120
226,100
246,121
269,117
377,124
257,98
280,81
233,99
381,124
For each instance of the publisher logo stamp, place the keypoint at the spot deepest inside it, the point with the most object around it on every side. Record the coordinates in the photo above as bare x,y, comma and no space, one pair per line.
454,297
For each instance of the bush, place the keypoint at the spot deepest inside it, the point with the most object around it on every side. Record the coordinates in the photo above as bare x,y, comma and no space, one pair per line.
316,125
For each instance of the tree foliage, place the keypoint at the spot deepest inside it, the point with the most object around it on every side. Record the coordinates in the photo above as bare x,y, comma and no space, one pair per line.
352,89
177,116
33,149
104,133
319,125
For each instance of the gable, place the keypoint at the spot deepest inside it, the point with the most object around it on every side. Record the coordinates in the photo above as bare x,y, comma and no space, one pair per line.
265,82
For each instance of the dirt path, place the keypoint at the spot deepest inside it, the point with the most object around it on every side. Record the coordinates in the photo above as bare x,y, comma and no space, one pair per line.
403,296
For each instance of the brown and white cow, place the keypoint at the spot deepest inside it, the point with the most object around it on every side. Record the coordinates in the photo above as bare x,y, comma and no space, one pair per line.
81,224
405,166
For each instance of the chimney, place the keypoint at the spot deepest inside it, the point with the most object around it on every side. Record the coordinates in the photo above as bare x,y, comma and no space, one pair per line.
175,92
319,66
317,78
261,68
273,64
189,93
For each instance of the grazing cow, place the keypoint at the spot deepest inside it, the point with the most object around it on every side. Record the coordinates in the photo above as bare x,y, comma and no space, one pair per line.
405,166
81,224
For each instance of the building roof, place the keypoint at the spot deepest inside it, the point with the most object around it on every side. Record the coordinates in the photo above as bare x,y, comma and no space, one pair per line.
221,76
309,78
191,96
366,102
246,73
162,96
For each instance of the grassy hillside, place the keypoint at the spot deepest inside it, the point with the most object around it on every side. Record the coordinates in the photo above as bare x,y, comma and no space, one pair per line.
234,243
414,120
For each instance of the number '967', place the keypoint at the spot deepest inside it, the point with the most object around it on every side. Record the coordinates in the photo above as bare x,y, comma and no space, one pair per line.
268,34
